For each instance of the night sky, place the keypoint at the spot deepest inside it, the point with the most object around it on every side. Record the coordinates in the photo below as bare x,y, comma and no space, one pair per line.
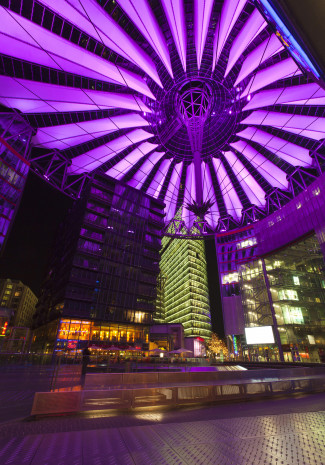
28,249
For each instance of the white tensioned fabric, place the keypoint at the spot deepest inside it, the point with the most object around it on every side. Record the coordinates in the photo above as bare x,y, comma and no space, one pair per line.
121,168
272,173
269,47
263,78
157,182
38,97
174,11
290,152
91,18
251,187
231,10
307,126
141,175
172,191
233,204
142,16
202,15
67,135
94,158
212,215
85,73
190,194
55,52
253,26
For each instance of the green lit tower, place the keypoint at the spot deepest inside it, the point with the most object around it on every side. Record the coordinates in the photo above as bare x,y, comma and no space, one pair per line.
185,292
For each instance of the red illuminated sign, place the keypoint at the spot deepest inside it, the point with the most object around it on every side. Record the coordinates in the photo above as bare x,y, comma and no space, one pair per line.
4,329
72,344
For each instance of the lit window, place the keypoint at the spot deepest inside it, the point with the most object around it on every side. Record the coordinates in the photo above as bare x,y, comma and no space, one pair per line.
296,280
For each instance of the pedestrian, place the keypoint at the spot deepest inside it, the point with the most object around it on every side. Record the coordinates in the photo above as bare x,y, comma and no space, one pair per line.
85,360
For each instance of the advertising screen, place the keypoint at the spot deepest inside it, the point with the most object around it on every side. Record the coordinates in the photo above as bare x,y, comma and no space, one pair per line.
259,335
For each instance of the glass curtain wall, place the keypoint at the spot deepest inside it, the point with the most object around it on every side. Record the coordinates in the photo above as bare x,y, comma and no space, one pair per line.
287,290
186,296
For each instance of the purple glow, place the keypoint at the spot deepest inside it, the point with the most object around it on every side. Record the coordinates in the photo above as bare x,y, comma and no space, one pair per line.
94,158
189,196
202,15
122,167
157,182
259,55
274,175
311,94
67,135
93,19
233,204
231,10
172,192
253,26
291,153
48,49
141,175
212,215
142,16
251,187
281,70
26,95
308,126
174,10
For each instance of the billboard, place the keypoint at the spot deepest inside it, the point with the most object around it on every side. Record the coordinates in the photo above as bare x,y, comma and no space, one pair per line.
259,335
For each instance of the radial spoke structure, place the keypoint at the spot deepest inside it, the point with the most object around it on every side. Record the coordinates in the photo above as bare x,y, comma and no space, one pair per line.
196,102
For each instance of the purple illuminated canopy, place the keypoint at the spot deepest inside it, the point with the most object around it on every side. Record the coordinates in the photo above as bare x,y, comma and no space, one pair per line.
109,86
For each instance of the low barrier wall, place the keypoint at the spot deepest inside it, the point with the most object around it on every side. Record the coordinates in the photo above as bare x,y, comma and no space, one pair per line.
128,392
108,380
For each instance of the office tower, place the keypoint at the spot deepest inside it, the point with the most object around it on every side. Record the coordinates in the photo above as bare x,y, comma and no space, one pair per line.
185,294
101,286
20,299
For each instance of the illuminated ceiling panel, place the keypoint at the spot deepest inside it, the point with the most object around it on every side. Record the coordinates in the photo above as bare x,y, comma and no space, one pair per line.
92,19
141,14
251,187
96,157
122,167
305,94
307,126
291,153
269,47
231,10
274,175
253,26
41,47
230,196
141,175
63,136
172,192
157,182
218,139
202,15
263,78
174,10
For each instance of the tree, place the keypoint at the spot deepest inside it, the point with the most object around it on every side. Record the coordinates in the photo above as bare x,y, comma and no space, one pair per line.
217,345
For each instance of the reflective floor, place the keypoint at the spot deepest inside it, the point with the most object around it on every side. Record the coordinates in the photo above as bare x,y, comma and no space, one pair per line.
278,431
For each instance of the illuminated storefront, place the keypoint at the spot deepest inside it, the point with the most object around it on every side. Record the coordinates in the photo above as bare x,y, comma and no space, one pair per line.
72,334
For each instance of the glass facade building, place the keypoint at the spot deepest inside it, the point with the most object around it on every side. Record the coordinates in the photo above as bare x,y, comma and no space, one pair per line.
287,291
15,135
185,293
272,274
105,266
